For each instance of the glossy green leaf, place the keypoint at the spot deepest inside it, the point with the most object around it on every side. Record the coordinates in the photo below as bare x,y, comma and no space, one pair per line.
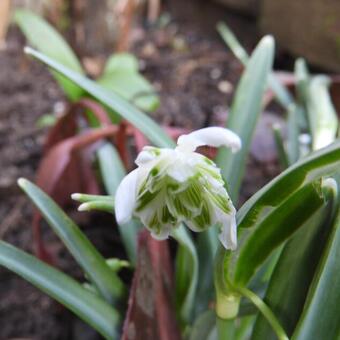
187,267
281,93
86,305
93,264
126,110
113,171
286,294
256,244
245,111
321,315
46,39
320,163
121,76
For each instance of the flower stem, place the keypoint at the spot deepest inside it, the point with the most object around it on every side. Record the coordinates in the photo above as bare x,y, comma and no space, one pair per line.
225,329
266,311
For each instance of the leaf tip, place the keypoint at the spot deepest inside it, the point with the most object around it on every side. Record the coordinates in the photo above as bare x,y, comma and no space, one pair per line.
28,50
84,207
22,182
76,196
268,40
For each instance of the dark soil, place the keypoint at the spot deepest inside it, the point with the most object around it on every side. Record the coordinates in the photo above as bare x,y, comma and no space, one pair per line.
195,76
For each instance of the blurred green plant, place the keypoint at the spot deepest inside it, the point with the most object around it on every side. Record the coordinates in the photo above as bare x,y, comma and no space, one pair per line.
120,74
282,281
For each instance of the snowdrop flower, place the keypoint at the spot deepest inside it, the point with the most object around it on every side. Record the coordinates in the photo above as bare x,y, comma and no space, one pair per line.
171,186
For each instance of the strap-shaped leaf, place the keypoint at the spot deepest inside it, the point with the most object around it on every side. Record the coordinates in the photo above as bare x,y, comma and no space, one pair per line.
112,171
93,264
46,39
127,111
320,163
256,244
186,274
207,244
322,116
244,113
86,305
286,294
282,94
321,315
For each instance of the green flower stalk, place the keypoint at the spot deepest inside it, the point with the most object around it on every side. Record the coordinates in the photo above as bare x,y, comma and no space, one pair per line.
171,186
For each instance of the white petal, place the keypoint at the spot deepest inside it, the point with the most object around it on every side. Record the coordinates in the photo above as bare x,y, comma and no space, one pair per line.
146,155
125,199
228,234
180,172
212,136
164,233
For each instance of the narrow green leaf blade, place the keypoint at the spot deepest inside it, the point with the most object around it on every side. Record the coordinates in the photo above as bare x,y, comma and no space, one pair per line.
256,244
187,267
203,326
286,294
93,264
321,315
46,39
293,147
245,111
318,164
113,171
281,93
280,148
127,111
86,305
321,112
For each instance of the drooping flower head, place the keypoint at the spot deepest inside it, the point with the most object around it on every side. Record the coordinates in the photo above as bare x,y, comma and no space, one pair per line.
171,186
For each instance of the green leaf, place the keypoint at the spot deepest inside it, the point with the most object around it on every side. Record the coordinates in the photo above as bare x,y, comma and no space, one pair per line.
113,171
93,264
46,39
302,83
320,163
293,147
121,76
187,267
86,305
256,244
281,152
121,61
230,39
203,326
321,318
286,293
245,111
281,93
207,244
127,111
322,115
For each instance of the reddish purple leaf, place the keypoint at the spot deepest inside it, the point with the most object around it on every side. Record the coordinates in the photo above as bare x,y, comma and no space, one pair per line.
151,313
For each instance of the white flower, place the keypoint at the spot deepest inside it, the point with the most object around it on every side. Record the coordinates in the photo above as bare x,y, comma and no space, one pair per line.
171,186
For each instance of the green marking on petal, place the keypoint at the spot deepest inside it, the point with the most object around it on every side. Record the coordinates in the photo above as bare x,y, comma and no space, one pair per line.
222,201
146,198
154,171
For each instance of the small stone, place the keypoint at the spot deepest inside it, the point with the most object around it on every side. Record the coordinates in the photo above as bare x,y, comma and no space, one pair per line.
225,86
